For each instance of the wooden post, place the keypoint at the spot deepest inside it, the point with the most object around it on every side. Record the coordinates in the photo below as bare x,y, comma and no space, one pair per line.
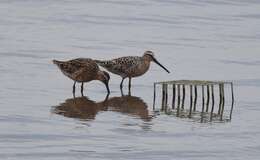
223,101
195,98
191,101
232,103
163,96
173,95
166,97
207,104
203,102
212,96
203,99
183,96
154,95
178,105
220,99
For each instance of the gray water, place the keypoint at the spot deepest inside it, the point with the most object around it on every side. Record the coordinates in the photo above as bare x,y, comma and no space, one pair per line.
194,39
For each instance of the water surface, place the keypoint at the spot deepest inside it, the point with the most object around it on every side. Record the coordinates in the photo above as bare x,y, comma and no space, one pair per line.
202,39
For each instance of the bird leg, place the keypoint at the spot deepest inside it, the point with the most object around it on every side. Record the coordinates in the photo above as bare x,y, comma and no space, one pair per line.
122,92
129,92
73,88
121,84
129,84
82,88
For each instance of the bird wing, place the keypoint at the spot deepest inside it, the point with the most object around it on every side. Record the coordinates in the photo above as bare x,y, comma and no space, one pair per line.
76,66
126,63
120,65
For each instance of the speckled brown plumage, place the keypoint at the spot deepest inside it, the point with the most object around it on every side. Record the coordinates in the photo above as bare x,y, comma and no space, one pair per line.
130,66
82,70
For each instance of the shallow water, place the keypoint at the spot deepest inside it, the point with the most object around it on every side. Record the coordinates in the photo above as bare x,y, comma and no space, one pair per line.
202,39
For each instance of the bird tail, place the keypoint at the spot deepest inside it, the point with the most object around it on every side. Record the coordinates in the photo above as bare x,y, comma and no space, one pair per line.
55,61
98,61
58,63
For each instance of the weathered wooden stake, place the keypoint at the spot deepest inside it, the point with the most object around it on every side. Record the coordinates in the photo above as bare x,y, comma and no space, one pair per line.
223,101
232,103
178,105
154,95
166,97
207,105
163,96
212,96
195,98
183,96
191,100
220,99
203,102
173,95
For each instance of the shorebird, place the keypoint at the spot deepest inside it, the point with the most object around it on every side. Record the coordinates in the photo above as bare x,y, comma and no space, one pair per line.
130,66
83,70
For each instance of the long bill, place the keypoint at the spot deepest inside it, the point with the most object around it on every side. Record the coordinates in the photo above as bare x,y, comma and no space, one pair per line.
155,60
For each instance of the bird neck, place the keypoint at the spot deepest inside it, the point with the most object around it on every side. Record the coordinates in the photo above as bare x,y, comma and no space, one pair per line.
99,75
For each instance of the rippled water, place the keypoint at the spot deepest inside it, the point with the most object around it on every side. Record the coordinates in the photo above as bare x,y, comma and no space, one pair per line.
202,39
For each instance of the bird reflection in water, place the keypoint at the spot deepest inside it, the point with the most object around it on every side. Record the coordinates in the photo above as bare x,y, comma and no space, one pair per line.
85,109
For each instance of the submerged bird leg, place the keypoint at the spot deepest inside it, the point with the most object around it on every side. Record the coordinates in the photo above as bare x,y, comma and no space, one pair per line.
74,95
121,84
82,88
129,92
73,88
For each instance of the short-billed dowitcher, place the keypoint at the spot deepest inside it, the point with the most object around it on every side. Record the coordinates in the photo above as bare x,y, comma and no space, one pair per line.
130,66
83,70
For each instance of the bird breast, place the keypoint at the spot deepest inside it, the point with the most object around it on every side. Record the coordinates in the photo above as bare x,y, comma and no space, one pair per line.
139,69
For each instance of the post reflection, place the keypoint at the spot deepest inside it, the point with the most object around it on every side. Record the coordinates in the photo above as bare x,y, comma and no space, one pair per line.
196,116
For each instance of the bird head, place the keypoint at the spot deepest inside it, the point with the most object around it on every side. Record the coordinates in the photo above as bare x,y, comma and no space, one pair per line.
104,77
150,56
